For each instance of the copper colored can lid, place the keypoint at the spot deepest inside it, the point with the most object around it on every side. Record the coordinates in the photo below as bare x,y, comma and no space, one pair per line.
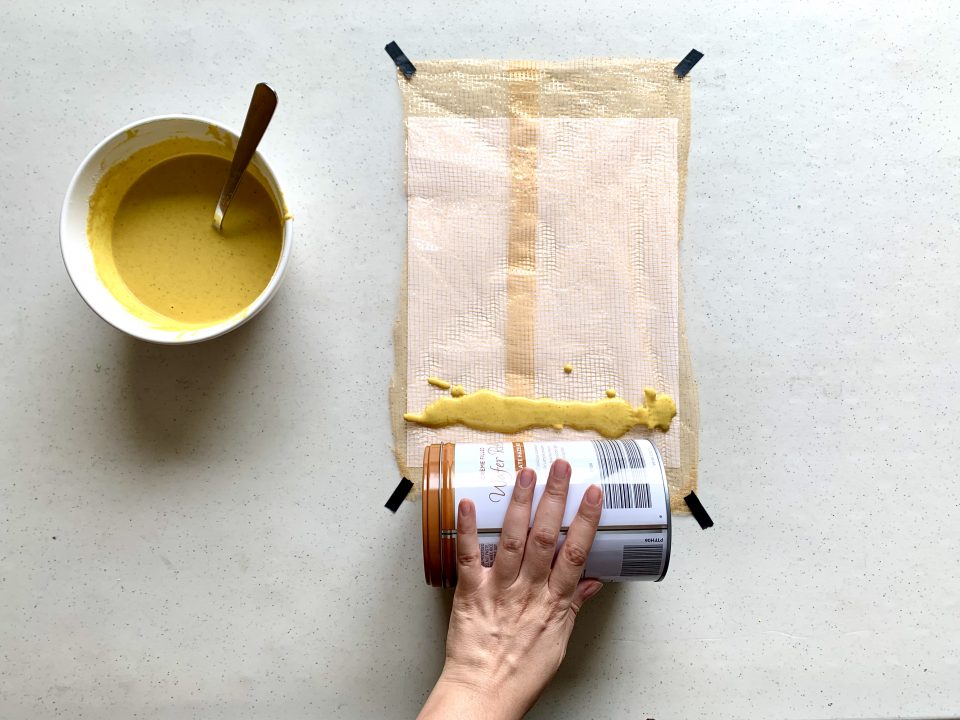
430,514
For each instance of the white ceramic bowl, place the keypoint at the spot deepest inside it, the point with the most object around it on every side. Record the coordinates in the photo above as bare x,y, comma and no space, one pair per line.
75,246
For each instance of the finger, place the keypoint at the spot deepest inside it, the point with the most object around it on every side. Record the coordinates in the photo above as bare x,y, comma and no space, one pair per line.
542,540
585,590
516,524
469,570
568,568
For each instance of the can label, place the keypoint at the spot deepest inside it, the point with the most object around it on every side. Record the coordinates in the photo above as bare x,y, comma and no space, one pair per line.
633,539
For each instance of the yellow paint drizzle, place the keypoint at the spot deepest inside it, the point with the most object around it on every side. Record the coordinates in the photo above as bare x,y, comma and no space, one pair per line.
611,393
457,391
488,410
568,368
437,382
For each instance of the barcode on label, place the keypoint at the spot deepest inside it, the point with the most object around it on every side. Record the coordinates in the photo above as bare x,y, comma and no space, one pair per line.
619,456
641,560
488,551
623,459
620,496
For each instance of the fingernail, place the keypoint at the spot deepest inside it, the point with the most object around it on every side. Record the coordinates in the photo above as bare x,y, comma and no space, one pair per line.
593,590
593,495
561,469
465,507
527,478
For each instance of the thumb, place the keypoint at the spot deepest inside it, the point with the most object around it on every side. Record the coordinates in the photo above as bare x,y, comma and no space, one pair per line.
586,589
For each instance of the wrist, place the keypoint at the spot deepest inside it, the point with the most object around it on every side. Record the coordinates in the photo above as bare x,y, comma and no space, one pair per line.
458,695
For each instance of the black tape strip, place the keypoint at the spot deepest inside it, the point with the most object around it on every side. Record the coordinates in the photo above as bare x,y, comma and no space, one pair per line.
701,516
403,489
686,65
402,61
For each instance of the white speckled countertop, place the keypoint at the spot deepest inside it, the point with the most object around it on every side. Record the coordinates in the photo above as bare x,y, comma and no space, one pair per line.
199,531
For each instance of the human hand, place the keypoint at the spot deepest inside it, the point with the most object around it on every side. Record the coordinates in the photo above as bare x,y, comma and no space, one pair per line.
510,623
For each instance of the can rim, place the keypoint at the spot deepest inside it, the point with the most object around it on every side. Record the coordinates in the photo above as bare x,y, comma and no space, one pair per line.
448,517
669,528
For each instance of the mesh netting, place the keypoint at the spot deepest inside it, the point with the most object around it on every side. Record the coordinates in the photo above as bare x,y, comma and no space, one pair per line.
544,220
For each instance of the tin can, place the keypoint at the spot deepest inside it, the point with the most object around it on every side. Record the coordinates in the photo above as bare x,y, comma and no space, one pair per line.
633,539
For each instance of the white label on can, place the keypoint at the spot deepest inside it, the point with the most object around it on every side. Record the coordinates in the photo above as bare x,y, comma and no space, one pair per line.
616,555
629,472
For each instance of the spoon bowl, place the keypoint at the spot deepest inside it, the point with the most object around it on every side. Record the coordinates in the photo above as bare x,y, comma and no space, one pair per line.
75,246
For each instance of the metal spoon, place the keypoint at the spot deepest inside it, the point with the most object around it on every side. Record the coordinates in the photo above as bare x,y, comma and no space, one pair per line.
262,105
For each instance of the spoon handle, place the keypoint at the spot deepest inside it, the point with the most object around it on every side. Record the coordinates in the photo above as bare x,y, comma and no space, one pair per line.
262,105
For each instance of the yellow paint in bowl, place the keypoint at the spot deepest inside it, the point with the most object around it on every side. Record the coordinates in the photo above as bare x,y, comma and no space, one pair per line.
153,244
